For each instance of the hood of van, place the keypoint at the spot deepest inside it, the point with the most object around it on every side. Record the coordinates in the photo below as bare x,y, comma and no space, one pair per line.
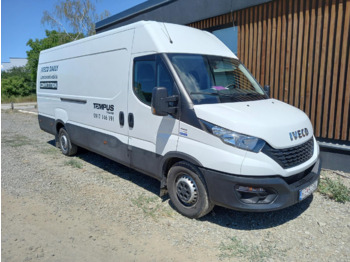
278,123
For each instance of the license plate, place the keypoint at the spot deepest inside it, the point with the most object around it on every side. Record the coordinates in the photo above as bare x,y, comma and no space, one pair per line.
304,193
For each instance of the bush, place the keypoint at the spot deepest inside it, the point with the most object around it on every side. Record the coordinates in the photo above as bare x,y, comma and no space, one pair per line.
16,82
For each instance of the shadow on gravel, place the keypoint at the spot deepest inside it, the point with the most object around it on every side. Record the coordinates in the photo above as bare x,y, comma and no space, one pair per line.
124,172
221,216
52,142
255,221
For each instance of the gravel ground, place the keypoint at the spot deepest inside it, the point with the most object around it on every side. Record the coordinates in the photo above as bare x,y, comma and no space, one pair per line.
88,208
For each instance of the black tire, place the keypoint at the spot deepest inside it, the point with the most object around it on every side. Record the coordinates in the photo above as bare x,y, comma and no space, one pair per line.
67,148
187,190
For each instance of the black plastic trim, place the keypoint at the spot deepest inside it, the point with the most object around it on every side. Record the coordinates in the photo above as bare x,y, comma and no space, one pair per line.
131,120
73,100
183,156
121,118
47,124
100,143
114,149
171,158
146,162
221,189
290,157
109,146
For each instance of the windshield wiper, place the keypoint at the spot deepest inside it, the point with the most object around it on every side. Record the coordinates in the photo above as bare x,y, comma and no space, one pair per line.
204,93
251,94
212,94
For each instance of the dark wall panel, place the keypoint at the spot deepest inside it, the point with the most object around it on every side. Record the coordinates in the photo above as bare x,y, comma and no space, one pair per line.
174,11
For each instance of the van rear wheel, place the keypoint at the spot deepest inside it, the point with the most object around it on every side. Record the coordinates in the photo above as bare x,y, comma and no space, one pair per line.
65,143
187,190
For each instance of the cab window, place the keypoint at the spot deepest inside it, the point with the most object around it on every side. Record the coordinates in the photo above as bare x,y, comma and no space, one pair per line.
149,72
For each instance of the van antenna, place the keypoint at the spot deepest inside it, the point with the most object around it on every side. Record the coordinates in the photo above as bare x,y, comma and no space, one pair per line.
171,41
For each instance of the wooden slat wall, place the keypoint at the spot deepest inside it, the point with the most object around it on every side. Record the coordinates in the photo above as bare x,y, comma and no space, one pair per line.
302,50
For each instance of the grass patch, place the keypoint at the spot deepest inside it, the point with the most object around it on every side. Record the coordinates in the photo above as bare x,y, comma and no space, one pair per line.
50,151
334,189
17,141
74,163
236,248
19,99
151,206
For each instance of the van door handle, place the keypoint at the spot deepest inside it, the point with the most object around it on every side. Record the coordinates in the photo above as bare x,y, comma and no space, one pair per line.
121,118
131,120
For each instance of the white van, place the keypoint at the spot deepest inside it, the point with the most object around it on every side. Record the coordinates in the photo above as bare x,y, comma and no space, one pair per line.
175,103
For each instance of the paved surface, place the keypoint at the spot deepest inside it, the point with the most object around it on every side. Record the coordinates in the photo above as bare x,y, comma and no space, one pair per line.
23,107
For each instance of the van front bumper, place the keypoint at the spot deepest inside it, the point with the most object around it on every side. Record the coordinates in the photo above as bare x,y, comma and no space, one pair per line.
226,189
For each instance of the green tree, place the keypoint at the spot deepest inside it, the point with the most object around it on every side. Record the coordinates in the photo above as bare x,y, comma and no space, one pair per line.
76,16
16,82
52,39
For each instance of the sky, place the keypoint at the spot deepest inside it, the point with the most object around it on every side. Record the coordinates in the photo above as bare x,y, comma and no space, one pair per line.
21,21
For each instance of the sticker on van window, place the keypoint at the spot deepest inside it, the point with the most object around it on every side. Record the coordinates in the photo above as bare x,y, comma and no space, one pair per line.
219,88
183,132
48,85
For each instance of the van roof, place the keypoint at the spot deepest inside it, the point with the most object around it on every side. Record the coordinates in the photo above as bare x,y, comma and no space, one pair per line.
157,37
100,35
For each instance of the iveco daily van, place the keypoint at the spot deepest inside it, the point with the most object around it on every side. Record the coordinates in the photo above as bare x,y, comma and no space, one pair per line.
175,103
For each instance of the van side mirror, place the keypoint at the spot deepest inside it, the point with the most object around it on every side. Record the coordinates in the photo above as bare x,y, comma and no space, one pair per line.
267,90
160,102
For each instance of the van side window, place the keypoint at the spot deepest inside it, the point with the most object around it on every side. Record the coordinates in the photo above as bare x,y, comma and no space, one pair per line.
149,72
164,78
144,77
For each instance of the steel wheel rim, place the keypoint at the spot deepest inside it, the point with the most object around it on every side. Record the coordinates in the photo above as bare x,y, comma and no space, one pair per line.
186,190
64,143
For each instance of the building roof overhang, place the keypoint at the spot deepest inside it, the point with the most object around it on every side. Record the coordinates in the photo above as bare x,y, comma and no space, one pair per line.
174,11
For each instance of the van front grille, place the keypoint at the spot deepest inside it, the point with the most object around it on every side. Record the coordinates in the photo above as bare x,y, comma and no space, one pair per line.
291,157
297,177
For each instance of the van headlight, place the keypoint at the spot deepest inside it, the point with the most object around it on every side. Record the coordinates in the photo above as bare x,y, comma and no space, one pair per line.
235,139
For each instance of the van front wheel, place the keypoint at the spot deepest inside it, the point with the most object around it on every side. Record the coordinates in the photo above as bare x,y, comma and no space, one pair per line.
65,143
187,190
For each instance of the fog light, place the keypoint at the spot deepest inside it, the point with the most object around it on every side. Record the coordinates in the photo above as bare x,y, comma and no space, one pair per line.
247,189
254,195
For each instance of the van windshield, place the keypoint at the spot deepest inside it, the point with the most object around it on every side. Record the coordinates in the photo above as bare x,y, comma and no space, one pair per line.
214,79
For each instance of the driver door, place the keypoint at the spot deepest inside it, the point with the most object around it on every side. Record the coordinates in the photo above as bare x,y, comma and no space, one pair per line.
150,136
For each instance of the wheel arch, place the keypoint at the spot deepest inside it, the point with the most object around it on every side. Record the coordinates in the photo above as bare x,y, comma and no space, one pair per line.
171,159
192,203
59,124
